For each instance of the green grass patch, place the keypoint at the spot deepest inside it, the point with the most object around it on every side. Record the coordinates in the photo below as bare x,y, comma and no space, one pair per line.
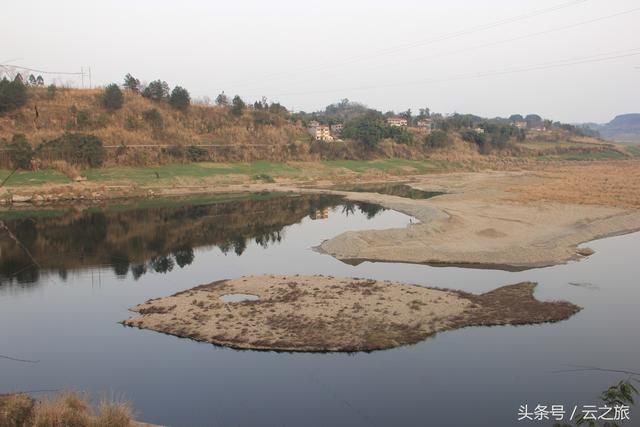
592,155
634,150
21,178
146,175
388,165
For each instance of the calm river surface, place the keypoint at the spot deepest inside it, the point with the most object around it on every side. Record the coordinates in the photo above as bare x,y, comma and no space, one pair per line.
93,264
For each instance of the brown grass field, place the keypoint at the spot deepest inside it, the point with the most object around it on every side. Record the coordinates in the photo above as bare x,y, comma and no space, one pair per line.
613,183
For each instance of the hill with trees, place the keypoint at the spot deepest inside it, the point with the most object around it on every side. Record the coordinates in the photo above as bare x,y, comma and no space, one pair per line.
137,124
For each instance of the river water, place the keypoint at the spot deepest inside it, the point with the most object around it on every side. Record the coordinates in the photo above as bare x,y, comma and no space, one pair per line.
62,310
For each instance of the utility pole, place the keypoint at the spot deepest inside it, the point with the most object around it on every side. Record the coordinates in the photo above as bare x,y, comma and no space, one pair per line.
82,74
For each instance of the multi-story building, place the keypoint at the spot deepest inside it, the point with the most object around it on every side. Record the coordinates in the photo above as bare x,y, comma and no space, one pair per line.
336,129
424,123
397,121
321,133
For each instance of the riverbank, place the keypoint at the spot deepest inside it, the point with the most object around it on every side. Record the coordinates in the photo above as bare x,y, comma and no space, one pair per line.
506,219
328,314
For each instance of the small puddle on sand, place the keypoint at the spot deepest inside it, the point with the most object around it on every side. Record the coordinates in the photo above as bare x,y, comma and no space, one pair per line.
239,297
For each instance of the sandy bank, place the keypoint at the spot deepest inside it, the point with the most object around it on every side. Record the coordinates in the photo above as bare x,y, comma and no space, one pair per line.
484,220
318,313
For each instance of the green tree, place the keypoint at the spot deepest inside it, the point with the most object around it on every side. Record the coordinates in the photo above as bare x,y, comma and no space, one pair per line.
112,97
438,139
13,94
222,100
20,152
77,149
32,80
40,81
157,90
131,83
237,105
368,129
180,98
534,121
399,134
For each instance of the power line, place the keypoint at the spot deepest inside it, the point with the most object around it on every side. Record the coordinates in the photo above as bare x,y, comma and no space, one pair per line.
554,64
395,49
42,71
499,42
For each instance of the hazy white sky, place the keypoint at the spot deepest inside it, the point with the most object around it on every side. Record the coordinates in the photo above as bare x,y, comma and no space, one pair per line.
387,54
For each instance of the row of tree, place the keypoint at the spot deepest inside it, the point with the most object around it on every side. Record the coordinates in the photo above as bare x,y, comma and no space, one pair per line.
82,150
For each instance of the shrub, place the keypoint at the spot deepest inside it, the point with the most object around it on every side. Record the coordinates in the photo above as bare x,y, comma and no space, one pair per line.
81,119
13,94
51,91
20,152
15,410
476,137
65,409
77,149
177,151
399,134
63,167
264,178
197,154
112,98
154,118
438,139
130,123
180,98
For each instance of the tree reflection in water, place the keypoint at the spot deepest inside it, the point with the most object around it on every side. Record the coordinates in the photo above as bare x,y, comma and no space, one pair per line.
140,240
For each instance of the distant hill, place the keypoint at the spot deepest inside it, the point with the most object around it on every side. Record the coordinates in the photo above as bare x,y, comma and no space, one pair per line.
624,128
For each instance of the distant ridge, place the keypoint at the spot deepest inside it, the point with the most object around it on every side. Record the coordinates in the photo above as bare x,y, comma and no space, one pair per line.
624,128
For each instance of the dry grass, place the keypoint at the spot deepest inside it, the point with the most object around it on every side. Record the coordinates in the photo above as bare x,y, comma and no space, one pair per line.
61,166
62,410
80,110
318,313
598,183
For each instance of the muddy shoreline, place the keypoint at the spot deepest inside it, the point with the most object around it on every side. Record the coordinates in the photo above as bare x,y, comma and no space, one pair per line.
481,221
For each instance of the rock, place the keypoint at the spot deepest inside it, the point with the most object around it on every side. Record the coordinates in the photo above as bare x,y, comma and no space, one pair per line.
16,198
79,178
585,251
